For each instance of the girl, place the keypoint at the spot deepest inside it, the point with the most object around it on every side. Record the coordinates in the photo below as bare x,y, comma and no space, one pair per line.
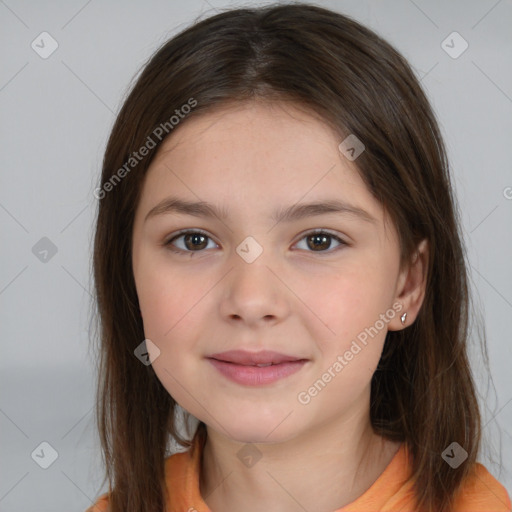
278,254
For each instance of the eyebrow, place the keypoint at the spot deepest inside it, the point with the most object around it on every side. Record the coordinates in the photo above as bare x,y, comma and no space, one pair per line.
291,213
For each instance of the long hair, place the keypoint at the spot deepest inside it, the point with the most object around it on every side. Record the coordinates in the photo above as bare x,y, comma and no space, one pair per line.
422,392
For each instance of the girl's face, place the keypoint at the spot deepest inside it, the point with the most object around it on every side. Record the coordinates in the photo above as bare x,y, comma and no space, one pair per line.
249,282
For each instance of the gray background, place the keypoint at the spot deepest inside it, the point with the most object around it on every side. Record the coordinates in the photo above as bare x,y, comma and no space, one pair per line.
55,116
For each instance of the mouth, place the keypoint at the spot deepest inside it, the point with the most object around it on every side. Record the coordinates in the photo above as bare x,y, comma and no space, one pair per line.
260,359
256,368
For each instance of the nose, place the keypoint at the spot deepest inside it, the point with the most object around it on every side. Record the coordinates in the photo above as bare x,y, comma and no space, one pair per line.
253,294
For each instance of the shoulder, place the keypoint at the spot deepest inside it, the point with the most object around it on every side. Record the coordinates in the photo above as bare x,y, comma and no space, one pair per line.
100,505
481,492
176,469
178,461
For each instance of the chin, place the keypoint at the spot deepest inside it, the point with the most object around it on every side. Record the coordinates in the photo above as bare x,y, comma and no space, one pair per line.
258,430
257,436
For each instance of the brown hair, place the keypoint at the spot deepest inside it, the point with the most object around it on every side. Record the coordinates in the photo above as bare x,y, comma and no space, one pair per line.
422,392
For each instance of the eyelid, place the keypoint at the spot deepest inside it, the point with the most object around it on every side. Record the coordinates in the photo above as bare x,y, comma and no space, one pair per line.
187,231
333,234
341,240
315,231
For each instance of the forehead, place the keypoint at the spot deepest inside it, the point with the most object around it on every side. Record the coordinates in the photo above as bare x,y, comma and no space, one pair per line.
255,154
257,134
260,122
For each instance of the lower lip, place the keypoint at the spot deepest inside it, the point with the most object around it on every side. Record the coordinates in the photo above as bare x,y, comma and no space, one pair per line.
257,375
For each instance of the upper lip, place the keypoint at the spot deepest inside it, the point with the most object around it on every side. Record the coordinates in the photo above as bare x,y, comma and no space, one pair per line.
252,358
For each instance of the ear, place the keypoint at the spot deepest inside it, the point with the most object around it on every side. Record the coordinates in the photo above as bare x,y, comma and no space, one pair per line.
411,286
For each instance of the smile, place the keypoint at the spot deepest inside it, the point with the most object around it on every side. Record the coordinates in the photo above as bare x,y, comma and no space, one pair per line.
257,374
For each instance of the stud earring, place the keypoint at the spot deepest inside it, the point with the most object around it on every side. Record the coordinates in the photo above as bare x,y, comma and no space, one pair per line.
403,317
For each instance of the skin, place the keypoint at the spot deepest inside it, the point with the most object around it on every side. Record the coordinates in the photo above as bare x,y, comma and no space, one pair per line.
294,299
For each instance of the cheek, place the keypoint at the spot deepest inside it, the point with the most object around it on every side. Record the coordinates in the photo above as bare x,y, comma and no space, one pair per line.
356,308
166,296
169,304
167,308
349,357
351,301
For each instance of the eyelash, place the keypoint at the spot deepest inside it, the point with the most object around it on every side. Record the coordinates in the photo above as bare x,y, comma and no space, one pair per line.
169,245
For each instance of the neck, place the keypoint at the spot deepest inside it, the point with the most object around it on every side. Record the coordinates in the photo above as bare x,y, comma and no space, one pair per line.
322,469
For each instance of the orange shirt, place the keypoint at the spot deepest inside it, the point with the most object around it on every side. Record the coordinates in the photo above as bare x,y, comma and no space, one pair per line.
389,493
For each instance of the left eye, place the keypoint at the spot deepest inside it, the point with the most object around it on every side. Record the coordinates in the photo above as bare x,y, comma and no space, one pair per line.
196,241
320,239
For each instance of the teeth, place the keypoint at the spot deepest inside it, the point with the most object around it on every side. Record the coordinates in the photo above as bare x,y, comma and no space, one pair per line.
264,364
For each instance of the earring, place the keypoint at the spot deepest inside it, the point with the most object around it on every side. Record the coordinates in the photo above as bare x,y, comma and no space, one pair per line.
403,317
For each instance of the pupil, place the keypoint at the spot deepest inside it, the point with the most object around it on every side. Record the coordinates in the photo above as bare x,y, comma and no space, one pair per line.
321,239
196,238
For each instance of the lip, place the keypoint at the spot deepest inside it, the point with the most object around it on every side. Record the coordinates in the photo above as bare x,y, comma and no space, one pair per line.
243,357
240,366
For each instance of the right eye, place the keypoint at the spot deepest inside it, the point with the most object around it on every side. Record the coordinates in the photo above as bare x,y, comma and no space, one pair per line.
193,241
